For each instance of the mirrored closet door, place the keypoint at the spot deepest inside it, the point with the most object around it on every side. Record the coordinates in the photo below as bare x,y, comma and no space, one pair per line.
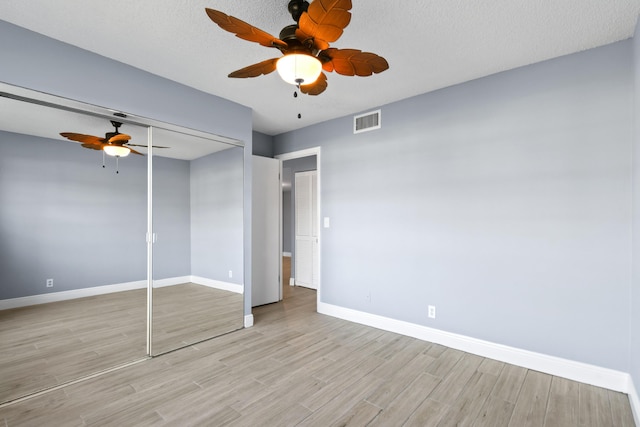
198,239
72,250
105,260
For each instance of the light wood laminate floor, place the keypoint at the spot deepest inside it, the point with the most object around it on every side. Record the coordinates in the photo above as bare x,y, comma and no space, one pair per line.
298,367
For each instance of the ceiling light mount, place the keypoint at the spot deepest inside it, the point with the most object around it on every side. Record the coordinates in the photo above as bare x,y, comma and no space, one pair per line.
297,8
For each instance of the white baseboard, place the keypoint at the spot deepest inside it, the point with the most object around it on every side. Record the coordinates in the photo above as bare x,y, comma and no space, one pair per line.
287,254
248,320
73,294
292,281
634,400
577,371
172,281
217,284
120,287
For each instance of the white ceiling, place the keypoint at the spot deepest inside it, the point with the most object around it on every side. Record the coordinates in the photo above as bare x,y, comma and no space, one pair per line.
429,44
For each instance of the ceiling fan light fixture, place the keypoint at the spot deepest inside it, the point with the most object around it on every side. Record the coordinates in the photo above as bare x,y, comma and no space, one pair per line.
116,150
299,68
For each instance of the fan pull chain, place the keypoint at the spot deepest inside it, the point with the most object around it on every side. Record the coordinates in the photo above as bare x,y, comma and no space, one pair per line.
103,159
117,165
295,95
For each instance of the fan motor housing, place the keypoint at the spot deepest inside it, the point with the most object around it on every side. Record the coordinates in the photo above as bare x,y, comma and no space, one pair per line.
297,8
288,33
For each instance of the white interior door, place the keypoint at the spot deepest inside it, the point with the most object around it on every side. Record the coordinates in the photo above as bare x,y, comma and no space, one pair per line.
265,245
306,226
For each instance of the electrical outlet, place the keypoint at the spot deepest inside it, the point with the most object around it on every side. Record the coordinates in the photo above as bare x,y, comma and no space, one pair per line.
432,311
49,283
230,274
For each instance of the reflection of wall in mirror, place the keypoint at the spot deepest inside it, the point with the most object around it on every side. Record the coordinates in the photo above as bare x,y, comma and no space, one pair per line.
63,216
216,216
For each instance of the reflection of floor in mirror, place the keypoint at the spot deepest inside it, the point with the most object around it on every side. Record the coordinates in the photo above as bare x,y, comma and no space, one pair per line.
44,345
298,367
188,313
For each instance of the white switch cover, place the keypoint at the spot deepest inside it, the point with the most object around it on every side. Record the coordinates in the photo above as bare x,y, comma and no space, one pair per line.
326,222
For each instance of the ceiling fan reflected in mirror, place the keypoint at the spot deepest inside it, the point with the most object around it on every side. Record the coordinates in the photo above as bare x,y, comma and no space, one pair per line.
305,45
114,143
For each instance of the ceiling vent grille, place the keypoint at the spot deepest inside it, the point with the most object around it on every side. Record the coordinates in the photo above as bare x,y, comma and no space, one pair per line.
367,121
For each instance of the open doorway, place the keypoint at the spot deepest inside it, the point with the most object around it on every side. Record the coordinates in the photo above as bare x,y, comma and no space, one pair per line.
301,239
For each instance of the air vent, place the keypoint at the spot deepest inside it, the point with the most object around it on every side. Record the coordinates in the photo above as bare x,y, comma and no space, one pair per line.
367,121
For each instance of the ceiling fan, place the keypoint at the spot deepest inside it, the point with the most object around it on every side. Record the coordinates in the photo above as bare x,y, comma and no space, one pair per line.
114,143
305,45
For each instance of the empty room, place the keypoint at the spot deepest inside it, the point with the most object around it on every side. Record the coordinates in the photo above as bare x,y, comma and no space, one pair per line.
185,189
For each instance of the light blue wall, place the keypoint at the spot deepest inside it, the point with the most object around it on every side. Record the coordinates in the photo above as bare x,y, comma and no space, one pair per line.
171,218
635,289
262,144
216,216
40,63
63,216
36,62
505,202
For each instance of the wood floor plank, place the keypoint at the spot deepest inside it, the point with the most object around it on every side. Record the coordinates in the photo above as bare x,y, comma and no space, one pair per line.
280,414
359,415
509,383
347,377
531,405
407,401
341,402
467,406
495,413
564,403
401,358
398,380
620,409
595,409
443,365
295,389
455,381
492,367
428,414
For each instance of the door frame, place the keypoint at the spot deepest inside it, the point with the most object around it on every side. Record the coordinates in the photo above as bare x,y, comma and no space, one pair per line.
313,151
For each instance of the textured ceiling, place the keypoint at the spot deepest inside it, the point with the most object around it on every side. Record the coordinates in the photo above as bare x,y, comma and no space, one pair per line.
429,44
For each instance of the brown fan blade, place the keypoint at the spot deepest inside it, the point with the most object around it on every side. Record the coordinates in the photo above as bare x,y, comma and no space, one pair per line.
134,151
243,30
255,70
93,146
353,62
80,137
324,21
119,139
317,87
